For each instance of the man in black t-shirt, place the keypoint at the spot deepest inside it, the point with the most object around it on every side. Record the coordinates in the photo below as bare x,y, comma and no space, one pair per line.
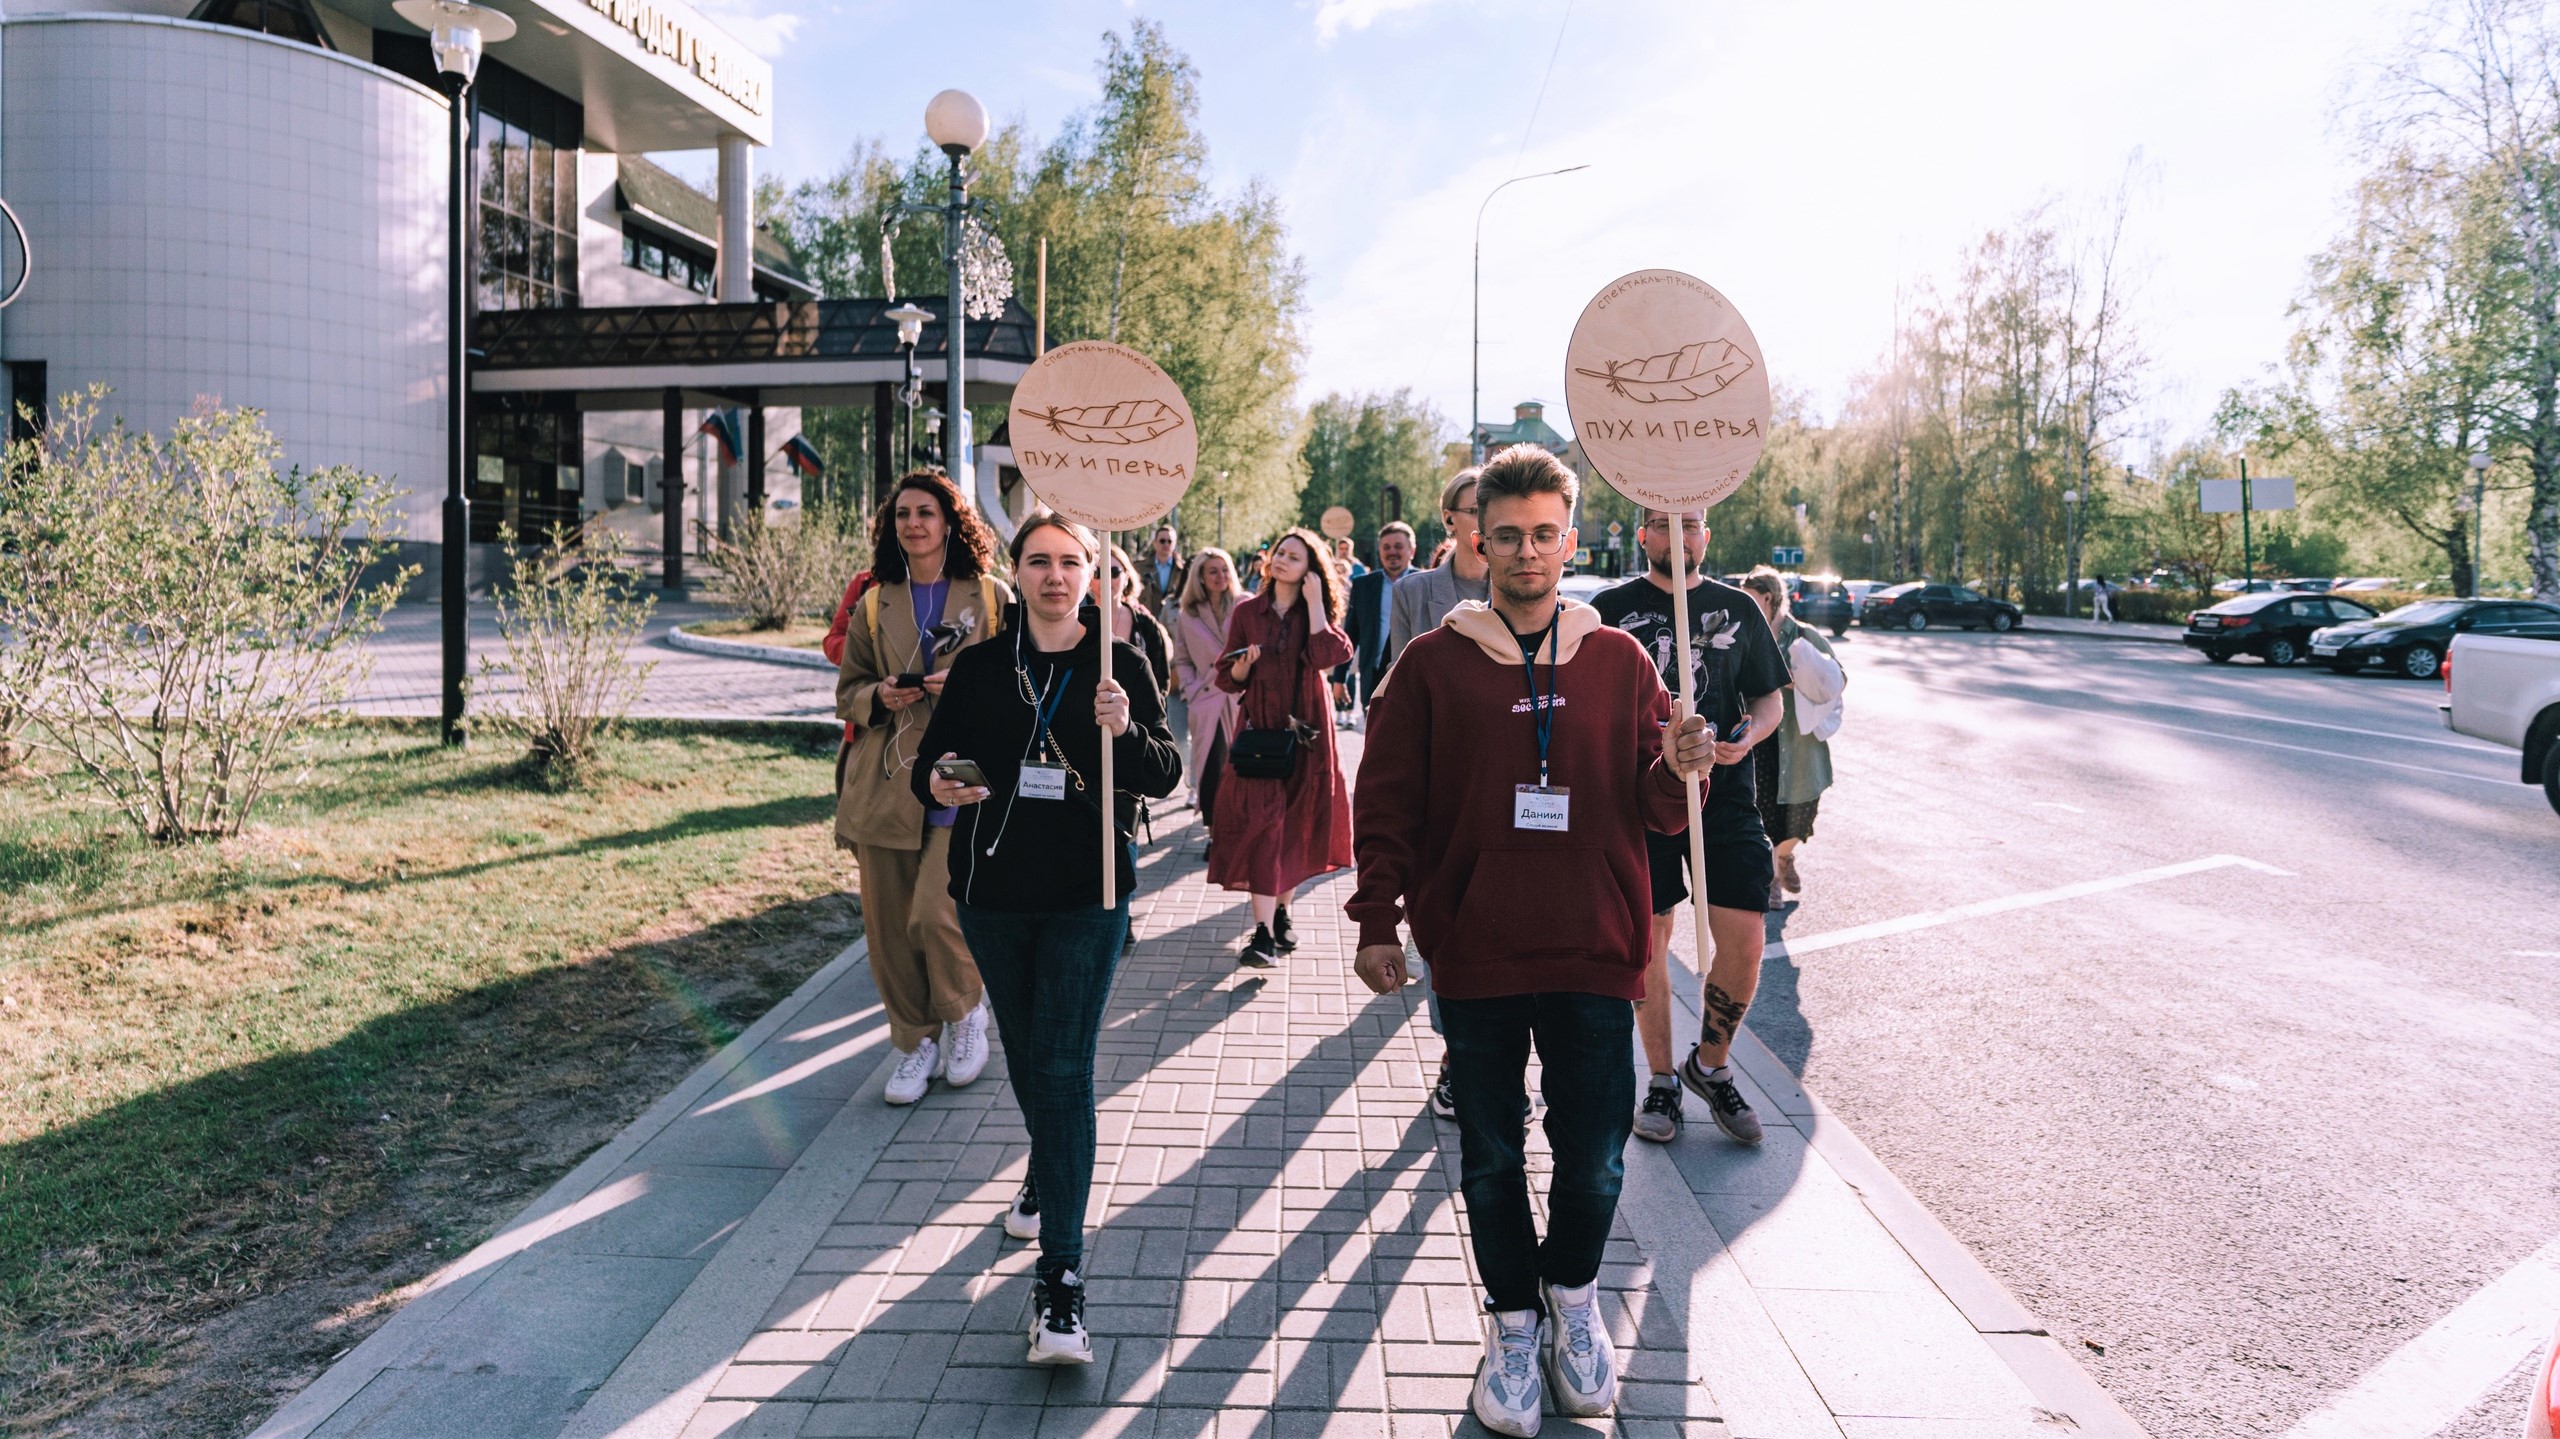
1739,675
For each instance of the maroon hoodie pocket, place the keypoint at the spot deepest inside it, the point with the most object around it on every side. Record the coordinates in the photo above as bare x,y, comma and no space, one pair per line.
1521,902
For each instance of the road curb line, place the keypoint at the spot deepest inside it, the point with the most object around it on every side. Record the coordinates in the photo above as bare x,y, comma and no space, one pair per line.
677,637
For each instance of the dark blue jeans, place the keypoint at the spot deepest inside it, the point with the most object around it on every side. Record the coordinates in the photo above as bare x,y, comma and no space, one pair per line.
1048,977
1586,1046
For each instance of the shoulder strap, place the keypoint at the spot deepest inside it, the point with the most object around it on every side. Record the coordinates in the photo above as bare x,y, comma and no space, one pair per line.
871,614
990,607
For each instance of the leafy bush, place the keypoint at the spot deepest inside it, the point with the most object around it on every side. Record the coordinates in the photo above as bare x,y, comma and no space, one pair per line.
780,566
182,611
570,616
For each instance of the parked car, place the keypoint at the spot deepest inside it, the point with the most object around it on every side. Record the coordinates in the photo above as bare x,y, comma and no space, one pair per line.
2412,639
2369,582
2307,586
1822,602
1918,606
2235,586
2505,688
1582,587
2274,625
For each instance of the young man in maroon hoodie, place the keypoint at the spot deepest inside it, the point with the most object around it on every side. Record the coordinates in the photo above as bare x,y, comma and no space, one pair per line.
1514,763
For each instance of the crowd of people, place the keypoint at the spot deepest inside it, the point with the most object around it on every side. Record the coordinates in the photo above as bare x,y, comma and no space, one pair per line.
1519,829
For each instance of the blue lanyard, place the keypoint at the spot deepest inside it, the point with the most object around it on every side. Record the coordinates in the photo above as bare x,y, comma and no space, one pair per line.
1545,711
1048,709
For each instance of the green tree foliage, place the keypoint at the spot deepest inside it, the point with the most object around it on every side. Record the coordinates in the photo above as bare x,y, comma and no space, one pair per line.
1355,449
1142,250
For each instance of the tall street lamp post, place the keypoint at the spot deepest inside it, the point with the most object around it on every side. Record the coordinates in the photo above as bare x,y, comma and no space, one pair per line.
2479,514
910,318
456,31
955,121
2071,580
1475,347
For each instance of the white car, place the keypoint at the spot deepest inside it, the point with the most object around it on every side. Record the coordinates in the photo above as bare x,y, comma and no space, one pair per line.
1580,588
2506,689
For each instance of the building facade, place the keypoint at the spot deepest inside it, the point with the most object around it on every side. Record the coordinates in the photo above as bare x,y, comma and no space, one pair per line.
244,202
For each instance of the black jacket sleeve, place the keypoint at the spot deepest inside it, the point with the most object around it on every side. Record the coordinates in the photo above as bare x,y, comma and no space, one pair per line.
952,730
1146,759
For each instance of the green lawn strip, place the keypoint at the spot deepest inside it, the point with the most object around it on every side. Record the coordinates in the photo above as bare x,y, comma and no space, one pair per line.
800,634
417,988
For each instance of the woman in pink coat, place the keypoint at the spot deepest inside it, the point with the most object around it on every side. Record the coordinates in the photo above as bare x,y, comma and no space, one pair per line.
1199,618
1273,835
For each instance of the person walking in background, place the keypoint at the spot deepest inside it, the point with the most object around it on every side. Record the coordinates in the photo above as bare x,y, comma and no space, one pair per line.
1738,673
1514,765
936,595
1423,599
2102,599
1030,716
1252,576
1369,603
1272,833
1200,617
1160,578
1346,560
1346,675
1132,622
1793,768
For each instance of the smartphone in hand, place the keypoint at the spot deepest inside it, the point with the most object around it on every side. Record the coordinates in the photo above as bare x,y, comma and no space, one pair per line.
908,681
960,772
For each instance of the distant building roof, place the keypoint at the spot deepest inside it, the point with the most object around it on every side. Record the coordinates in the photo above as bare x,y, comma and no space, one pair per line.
1528,427
667,202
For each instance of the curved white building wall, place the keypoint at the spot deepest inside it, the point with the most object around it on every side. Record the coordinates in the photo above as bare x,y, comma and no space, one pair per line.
217,213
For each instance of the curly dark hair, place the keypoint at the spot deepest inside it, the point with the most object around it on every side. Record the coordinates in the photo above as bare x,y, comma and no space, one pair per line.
968,553
1321,568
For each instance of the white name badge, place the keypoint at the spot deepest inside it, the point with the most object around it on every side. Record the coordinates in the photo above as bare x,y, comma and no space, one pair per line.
1538,807
1042,781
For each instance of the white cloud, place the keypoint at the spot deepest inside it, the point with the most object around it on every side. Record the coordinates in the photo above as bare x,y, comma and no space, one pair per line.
1335,16
767,33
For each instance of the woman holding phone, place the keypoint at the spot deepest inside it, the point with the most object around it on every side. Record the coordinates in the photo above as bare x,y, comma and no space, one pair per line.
1275,832
936,594
1017,743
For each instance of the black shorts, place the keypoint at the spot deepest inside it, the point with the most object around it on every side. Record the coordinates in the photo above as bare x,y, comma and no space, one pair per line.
1739,867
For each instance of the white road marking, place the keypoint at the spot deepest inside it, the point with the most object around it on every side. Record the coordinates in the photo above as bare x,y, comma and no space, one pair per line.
1931,919
2057,804
2433,1379
2535,953
2471,745
2193,733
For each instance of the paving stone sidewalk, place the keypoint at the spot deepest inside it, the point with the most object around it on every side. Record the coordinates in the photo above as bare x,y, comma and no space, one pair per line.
408,670
1277,1248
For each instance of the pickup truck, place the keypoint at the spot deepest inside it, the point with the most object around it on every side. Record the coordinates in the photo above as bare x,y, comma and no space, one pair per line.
2506,689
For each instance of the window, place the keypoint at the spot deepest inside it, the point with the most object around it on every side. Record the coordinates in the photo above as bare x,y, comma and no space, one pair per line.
528,140
674,261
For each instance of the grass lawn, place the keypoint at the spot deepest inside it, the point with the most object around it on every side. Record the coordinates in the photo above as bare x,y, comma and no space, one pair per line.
249,1089
801,634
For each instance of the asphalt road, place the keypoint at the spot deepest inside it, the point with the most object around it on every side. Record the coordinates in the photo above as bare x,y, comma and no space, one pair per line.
2236,1135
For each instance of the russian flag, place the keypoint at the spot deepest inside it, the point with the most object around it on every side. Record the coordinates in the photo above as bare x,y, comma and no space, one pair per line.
722,427
803,457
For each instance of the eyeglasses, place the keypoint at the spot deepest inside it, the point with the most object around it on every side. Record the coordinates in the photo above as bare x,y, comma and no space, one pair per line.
1506,542
1663,526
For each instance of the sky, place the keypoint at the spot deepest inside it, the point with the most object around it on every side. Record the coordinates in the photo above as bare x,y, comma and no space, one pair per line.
1810,161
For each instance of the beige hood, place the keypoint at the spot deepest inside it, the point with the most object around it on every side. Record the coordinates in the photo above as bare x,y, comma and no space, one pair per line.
1492,633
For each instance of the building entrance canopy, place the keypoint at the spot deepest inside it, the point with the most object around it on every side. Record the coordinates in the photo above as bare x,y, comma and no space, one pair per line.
797,352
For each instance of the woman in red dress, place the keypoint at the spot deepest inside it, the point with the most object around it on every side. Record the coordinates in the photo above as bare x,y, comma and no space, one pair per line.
1273,835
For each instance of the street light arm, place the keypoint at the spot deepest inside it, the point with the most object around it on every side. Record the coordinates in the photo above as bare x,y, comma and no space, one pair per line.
1475,337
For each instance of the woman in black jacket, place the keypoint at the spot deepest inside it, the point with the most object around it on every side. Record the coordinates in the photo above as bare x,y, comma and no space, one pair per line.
1026,869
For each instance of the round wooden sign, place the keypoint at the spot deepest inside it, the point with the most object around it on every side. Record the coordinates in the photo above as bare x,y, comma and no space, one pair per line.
1336,523
1667,390
1102,435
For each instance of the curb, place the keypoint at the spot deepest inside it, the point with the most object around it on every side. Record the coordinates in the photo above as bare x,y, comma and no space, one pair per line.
2133,632
678,637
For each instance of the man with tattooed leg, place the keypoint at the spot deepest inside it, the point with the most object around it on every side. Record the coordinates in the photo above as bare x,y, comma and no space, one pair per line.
1739,675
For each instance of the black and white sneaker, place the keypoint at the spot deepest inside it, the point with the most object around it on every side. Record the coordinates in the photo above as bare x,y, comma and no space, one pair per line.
1283,933
1261,951
1443,1102
1057,1321
1022,1221
1725,1104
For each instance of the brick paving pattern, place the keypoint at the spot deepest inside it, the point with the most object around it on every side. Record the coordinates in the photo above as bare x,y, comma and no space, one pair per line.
408,671
1276,1246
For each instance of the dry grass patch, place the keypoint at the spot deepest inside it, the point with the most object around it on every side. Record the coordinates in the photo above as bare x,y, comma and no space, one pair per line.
247,1088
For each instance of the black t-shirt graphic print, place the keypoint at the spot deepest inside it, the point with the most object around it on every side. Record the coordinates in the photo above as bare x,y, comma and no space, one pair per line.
1737,659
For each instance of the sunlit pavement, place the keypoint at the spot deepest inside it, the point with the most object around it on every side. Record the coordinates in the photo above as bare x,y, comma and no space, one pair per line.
2186,1028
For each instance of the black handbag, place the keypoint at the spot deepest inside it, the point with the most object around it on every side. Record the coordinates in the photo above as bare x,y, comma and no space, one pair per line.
1266,753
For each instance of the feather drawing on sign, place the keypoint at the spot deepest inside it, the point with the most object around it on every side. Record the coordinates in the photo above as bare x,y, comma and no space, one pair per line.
1130,422
1691,372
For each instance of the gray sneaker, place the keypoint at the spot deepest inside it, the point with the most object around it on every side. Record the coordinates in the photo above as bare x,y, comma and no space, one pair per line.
1725,1104
1508,1395
1582,1365
1659,1120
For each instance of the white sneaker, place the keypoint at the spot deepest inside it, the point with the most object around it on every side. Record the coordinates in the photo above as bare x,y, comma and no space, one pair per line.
1057,1322
1582,1365
1022,1221
1508,1396
914,1074
968,1041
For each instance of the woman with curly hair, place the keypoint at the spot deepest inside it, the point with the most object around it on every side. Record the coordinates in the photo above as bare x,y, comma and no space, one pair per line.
1272,834
935,594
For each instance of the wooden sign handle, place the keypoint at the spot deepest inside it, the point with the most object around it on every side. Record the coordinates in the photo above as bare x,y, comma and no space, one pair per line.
1688,705
1110,797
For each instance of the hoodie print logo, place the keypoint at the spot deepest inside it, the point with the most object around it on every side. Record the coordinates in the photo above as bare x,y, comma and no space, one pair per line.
1521,706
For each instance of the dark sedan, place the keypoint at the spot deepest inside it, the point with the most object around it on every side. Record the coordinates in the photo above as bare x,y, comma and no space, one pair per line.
1825,604
2412,639
1917,606
2274,625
